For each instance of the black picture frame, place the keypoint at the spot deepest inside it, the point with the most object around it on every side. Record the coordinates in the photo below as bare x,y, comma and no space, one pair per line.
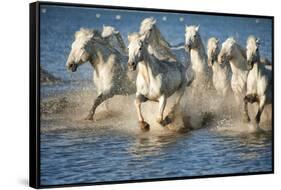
34,90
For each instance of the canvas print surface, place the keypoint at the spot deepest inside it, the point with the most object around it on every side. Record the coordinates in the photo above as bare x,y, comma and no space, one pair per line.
133,95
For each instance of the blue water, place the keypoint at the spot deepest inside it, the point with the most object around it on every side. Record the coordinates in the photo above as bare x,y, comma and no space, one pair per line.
74,154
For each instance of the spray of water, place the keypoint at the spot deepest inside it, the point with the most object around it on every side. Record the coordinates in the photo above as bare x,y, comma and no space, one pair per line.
206,109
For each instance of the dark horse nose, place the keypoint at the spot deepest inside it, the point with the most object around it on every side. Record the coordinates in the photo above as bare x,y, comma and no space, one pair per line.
187,47
222,59
131,64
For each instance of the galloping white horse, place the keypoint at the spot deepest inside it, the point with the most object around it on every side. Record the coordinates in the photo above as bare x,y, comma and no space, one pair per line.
259,81
221,72
114,38
156,80
158,46
234,54
110,71
198,58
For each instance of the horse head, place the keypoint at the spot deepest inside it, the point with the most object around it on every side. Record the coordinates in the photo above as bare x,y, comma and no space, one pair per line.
192,37
147,27
137,46
252,51
82,48
227,50
212,50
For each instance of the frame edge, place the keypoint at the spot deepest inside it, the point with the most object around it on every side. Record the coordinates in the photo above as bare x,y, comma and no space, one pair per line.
34,165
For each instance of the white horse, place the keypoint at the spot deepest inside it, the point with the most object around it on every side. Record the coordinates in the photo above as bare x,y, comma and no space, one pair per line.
110,71
114,38
198,58
259,81
221,72
234,54
156,80
158,46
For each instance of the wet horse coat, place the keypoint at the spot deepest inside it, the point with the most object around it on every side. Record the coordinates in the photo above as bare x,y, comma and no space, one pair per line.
110,71
156,80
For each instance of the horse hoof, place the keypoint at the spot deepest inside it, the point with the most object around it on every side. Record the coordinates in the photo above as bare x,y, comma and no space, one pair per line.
246,119
144,126
166,121
257,121
89,118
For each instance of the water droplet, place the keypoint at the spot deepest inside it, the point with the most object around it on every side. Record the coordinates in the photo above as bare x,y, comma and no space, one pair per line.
164,18
181,19
118,17
98,15
44,10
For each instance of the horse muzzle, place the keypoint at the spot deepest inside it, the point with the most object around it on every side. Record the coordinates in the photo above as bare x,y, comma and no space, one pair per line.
187,47
132,66
221,59
210,62
250,65
72,67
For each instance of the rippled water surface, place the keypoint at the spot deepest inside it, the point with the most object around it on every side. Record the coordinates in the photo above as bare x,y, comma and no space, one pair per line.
113,148
102,154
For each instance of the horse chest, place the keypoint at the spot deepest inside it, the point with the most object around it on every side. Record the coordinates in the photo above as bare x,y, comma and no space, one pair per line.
149,87
198,62
238,80
256,82
220,80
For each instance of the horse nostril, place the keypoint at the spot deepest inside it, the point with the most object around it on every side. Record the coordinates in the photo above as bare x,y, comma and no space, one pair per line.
131,63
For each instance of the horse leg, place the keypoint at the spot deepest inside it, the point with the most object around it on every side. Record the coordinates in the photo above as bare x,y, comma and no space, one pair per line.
138,101
171,114
260,110
105,104
162,104
101,98
250,98
246,117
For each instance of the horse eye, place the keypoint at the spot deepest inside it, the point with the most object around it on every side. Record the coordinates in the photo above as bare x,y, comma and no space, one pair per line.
140,49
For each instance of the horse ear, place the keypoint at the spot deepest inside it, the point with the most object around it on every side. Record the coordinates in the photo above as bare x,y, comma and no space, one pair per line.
129,38
258,41
197,28
217,41
153,20
186,27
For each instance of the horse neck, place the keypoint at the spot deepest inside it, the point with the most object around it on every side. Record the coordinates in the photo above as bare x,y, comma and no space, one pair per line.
216,66
148,67
198,56
100,53
238,62
159,47
257,67
121,42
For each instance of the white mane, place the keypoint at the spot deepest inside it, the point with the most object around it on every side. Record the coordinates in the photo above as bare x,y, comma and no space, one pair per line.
108,31
158,46
228,43
114,38
252,40
146,25
212,43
